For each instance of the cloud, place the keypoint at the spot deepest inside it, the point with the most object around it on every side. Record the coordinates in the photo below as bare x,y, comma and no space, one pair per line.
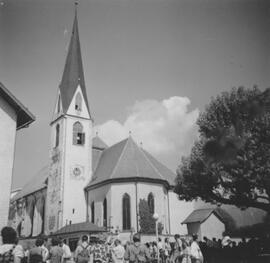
167,129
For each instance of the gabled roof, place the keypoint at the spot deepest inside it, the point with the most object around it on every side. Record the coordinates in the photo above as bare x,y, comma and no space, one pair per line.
24,116
199,216
125,161
73,72
36,183
85,227
240,218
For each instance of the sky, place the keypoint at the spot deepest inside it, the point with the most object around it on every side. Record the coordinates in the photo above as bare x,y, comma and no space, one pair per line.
151,66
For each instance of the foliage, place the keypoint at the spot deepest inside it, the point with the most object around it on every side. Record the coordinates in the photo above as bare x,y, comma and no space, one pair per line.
230,163
147,222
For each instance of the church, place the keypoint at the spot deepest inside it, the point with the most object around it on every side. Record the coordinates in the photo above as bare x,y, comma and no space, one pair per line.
87,181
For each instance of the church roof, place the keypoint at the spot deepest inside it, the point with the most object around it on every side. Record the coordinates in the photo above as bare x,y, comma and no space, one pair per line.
36,183
97,143
73,74
24,116
125,161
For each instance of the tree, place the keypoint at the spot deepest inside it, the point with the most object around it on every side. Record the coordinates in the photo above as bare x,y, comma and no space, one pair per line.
230,163
147,222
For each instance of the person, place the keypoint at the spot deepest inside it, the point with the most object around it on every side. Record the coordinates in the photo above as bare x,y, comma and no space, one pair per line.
45,251
195,251
10,251
167,249
66,251
98,252
117,252
137,252
186,251
36,253
176,254
82,252
56,252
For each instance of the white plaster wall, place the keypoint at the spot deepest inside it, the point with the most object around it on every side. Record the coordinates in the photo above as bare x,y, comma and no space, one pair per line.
117,192
73,196
97,196
179,211
212,227
8,121
194,228
71,110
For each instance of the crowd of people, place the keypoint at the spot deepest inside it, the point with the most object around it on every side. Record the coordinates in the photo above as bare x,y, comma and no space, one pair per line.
182,250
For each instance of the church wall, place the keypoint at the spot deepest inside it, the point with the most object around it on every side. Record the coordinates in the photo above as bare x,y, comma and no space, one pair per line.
98,195
212,227
7,144
160,200
76,157
117,193
179,211
54,189
84,112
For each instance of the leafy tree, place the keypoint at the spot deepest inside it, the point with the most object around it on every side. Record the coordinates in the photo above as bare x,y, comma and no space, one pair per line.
230,163
147,222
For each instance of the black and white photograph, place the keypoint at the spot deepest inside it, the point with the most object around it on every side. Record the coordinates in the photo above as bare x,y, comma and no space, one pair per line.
134,131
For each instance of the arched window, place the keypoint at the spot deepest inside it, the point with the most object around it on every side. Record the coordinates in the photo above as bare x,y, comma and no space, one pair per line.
57,131
78,102
151,203
105,212
93,212
78,134
58,104
126,212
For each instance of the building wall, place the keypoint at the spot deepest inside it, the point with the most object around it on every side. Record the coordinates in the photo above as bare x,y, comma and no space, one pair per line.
66,200
97,196
8,123
194,228
76,156
179,211
114,194
212,227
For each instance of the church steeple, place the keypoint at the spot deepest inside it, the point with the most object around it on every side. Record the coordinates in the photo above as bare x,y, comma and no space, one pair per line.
73,74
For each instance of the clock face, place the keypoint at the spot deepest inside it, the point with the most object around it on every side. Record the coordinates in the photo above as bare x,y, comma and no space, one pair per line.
77,171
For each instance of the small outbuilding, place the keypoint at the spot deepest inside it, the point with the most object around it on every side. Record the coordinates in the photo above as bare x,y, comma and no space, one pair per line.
205,222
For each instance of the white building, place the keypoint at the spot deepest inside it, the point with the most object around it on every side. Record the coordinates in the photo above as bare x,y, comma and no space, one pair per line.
13,116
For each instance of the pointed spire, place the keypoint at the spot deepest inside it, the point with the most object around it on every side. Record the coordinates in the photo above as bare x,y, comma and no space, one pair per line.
73,74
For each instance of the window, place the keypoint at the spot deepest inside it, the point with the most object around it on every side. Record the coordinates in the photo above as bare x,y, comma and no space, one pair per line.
93,212
78,134
151,203
58,104
105,212
78,102
126,212
57,130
